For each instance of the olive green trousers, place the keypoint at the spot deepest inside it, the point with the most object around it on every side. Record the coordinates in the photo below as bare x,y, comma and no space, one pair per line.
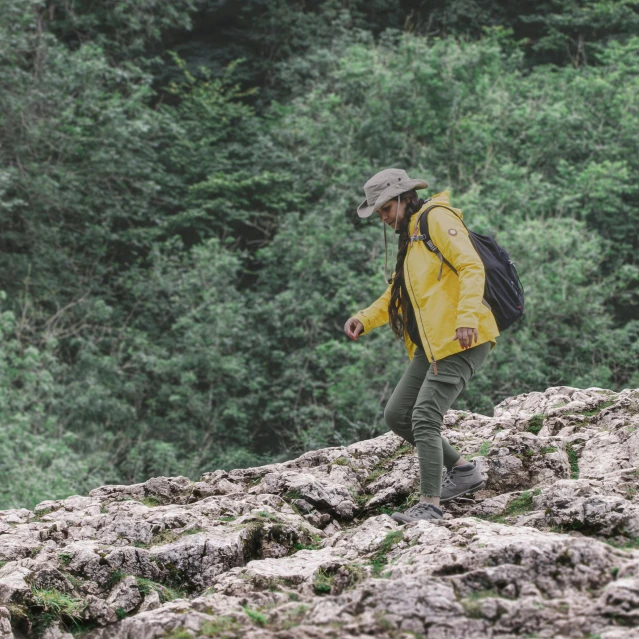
418,404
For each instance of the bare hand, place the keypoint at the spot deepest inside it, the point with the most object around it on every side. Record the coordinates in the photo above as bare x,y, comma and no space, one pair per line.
465,337
353,328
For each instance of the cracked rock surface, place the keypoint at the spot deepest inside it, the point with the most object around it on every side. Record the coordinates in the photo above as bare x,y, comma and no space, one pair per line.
307,549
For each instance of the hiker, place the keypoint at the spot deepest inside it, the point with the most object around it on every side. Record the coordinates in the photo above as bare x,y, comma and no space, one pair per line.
446,325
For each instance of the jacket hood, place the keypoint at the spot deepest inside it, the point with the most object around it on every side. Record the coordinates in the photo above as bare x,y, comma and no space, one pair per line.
439,198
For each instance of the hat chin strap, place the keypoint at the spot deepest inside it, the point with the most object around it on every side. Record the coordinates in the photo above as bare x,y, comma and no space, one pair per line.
392,245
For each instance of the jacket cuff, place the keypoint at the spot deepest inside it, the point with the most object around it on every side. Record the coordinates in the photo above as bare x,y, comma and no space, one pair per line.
467,321
365,322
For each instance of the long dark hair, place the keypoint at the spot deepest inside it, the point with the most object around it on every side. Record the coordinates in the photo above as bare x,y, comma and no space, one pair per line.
396,303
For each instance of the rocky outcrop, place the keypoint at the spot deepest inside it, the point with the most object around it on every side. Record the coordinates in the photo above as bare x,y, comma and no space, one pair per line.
307,549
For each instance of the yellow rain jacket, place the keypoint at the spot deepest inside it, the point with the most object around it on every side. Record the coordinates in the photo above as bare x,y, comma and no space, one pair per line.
441,306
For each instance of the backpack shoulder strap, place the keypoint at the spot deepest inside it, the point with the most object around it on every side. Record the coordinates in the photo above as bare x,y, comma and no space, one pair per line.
422,225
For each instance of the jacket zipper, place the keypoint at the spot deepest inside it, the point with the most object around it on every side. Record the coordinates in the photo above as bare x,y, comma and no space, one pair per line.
419,311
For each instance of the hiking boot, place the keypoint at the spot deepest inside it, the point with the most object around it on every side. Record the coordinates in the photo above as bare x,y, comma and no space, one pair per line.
461,480
420,511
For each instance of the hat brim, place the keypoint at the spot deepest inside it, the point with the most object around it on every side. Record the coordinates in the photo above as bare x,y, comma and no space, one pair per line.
366,210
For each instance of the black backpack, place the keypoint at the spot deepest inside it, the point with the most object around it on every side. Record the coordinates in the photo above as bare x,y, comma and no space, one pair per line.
503,291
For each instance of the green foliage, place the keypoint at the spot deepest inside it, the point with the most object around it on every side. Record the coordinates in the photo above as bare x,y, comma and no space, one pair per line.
39,457
573,460
258,618
631,543
115,577
323,582
179,633
535,424
482,451
596,411
221,626
173,245
65,558
380,559
473,602
51,605
166,593
521,504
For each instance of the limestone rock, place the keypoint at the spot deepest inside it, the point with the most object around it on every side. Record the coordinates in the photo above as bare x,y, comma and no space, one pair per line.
125,595
151,601
5,624
306,548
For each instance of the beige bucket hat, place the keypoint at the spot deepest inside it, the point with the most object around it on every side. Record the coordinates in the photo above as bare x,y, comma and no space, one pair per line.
384,186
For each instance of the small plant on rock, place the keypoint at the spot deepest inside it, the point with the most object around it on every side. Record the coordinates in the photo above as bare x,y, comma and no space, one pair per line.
482,451
521,504
178,633
473,602
164,537
295,617
323,583
226,518
573,460
598,409
222,627
51,605
115,577
166,593
258,618
535,424
380,559
263,514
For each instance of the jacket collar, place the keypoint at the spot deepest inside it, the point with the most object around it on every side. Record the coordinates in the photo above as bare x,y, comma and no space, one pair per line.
439,198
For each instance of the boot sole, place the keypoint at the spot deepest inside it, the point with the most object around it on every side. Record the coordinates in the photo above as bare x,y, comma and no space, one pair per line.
400,519
472,489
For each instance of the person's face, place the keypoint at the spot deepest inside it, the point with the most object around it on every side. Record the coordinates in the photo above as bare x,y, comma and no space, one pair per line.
391,212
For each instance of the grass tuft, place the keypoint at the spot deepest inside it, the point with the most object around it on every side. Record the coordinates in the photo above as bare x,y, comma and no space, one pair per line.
598,409
178,633
535,423
482,451
263,514
295,617
472,603
573,460
380,559
258,618
166,593
227,518
518,506
631,543
51,605
323,582
115,577
222,627
65,558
